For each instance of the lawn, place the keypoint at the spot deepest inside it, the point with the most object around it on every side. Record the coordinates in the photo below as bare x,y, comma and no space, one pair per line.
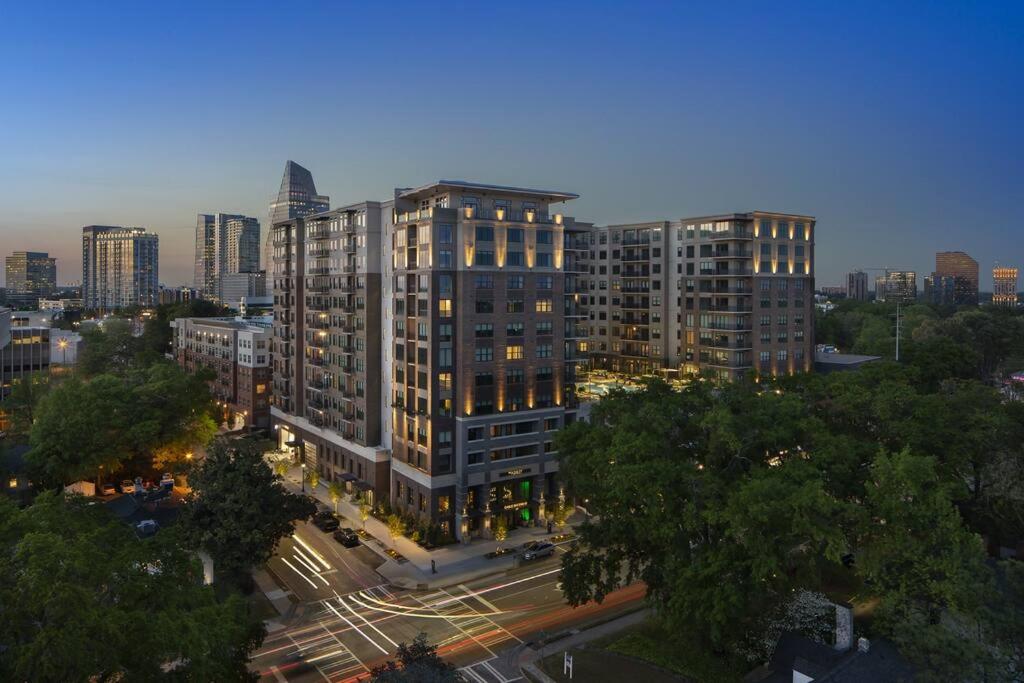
687,657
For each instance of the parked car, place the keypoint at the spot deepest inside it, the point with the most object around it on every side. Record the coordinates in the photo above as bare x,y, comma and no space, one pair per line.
346,537
147,527
326,521
127,486
538,549
108,490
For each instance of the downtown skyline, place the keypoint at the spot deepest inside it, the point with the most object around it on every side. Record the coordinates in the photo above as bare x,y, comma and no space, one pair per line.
880,123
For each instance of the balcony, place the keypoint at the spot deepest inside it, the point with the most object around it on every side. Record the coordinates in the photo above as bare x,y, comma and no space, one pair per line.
736,232
733,253
731,270
318,360
320,341
739,325
318,231
726,309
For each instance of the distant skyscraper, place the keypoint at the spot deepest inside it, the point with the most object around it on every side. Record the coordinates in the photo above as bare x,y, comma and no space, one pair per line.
964,271
857,285
226,244
120,267
31,275
297,198
896,286
1004,286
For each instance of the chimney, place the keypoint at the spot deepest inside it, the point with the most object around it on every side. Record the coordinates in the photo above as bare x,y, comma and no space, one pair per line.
844,627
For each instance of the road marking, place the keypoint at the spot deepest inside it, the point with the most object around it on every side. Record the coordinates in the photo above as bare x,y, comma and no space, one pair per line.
356,628
349,607
312,552
489,605
309,563
285,560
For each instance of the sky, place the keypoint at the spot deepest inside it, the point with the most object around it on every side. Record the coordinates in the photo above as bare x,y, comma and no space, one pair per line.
898,125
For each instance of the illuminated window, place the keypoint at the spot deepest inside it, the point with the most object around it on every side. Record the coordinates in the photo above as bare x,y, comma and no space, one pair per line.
444,381
514,352
444,308
543,305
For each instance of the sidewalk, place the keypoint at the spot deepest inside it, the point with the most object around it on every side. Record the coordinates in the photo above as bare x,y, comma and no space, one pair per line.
529,656
455,563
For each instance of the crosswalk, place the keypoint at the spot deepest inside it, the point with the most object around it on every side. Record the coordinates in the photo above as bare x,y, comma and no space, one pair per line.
486,672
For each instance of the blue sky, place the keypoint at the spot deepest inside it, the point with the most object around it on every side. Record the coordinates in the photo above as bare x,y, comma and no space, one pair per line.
898,125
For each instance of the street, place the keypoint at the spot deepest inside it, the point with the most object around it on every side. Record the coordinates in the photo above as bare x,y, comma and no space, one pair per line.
353,621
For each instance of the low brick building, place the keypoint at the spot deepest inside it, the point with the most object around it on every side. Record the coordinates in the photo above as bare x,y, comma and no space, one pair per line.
237,350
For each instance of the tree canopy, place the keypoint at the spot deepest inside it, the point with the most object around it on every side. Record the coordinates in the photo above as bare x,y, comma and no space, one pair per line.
238,508
82,599
418,662
725,500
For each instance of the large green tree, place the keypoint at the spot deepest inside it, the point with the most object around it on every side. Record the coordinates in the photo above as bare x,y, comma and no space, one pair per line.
239,508
81,598
418,662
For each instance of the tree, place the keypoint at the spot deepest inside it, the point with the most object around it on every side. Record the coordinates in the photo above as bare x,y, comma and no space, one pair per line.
313,478
108,348
417,663
500,530
281,467
119,608
364,509
335,490
238,509
396,527
23,401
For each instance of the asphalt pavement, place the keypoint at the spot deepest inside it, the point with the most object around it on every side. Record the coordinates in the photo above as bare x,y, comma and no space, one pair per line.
353,621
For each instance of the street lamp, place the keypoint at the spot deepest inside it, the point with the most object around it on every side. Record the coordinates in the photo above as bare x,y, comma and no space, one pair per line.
303,477
62,344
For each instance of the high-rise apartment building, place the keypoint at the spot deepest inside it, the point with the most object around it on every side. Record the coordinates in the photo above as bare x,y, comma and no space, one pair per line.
31,275
724,295
1004,286
120,267
896,286
424,347
226,244
297,198
964,271
857,285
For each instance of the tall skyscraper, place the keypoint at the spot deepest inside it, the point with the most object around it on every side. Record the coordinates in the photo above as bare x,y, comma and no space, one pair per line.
297,198
964,271
226,244
1004,286
424,348
31,275
726,295
857,285
896,286
120,267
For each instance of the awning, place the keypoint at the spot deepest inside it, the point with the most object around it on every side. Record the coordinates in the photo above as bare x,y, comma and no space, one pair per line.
348,476
294,443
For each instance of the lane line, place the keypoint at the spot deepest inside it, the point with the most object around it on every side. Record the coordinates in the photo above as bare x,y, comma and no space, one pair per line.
285,560
349,607
357,629
312,552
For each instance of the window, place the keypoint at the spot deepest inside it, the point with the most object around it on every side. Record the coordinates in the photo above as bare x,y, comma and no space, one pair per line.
444,233
485,258
484,306
515,329
543,350
445,259
514,282
543,306
444,358
484,330
475,434
444,332
444,308
483,354
543,237
544,327
514,352
484,233
483,281
483,379
514,258
515,376
515,235
543,260
782,354
544,374
515,306
444,381
544,282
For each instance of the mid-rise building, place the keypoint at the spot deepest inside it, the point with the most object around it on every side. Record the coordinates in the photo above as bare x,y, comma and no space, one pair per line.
226,244
237,350
177,295
857,285
31,275
297,198
24,350
1004,286
896,286
722,295
424,348
234,287
120,267
963,270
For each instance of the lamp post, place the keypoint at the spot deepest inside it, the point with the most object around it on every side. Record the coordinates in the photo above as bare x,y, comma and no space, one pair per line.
62,344
303,477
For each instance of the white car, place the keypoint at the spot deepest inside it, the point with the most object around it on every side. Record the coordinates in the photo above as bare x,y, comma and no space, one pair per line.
127,486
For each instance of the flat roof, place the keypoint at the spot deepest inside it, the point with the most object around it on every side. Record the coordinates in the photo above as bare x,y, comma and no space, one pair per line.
552,195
